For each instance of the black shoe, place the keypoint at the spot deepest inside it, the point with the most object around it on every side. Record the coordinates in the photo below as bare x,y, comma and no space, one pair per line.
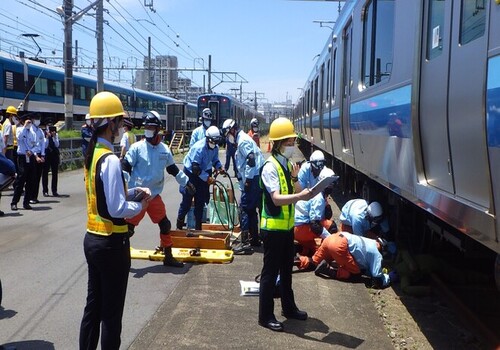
169,260
273,325
2,213
27,206
242,249
179,224
34,201
296,315
13,207
55,194
324,270
45,194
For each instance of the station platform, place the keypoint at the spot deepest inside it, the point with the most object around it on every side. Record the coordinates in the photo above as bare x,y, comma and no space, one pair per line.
206,311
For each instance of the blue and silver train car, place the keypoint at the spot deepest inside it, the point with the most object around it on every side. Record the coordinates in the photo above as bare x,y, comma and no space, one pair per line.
226,107
40,88
405,100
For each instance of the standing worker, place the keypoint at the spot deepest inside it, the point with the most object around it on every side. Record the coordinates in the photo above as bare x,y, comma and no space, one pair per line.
309,171
8,132
279,177
26,158
230,155
52,160
199,133
106,244
198,163
128,138
145,161
39,151
249,160
254,131
86,134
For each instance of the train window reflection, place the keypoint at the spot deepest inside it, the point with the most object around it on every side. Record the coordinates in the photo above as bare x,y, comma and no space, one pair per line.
473,21
378,38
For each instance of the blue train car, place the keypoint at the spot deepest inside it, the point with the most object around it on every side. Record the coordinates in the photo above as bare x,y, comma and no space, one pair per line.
404,100
38,87
225,107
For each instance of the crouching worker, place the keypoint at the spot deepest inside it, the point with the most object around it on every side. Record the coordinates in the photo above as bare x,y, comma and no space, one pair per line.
310,220
344,254
363,219
145,161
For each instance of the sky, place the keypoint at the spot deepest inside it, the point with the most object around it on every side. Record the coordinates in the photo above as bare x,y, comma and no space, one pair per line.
272,44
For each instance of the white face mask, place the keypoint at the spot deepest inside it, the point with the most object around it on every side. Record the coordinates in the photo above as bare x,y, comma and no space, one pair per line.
149,133
288,152
211,145
36,122
15,120
87,121
230,139
207,123
120,133
255,128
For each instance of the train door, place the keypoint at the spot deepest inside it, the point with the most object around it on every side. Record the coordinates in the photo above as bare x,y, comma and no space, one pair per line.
452,98
346,90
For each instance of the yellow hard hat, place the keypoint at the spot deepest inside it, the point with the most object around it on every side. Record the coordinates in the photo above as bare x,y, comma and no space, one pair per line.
281,128
105,104
12,110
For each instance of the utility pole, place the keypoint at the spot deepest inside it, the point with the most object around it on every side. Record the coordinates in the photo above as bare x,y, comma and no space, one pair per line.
209,74
66,11
68,64
100,50
149,63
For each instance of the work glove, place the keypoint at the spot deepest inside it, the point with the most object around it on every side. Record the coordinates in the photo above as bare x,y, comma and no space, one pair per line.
210,180
190,189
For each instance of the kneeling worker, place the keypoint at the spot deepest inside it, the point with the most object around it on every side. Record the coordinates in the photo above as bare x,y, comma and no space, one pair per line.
352,254
363,219
310,220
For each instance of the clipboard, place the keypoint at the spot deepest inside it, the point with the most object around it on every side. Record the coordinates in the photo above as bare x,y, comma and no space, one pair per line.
324,183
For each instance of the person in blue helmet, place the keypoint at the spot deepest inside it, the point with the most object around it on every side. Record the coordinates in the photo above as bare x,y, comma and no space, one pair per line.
199,132
146,162
249,160
198,164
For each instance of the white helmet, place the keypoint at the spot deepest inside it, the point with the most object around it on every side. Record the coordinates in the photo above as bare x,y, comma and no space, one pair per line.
212,133
87,116
254,122
317,155
227,125
207,114
374,210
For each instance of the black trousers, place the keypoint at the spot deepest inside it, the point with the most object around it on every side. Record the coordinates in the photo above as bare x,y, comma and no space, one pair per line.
279,252
25,176
51,164
38,176
108,260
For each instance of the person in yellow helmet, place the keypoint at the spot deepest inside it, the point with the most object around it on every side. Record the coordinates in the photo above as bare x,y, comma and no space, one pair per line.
106,243
279,184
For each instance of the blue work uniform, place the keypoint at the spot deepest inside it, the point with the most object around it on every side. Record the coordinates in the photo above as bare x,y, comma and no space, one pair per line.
306,177
149,163
249,161
354,214
367,256
206,158
197,135
311,210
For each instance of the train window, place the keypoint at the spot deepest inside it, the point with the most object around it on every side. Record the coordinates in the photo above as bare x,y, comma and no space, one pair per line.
435,29
334,67
41,86
316,95
473,21
55,88
378,37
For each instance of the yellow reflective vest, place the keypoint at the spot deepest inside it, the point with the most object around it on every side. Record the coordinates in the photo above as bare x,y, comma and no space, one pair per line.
99,221
278,218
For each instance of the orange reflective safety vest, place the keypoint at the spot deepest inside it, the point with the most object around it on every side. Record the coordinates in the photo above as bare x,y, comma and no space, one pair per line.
99,221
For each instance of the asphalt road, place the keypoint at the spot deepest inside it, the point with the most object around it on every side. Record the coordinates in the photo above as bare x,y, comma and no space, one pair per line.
44,272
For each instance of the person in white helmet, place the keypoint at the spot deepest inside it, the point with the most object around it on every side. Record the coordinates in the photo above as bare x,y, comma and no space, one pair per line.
361,218
310,219
198,164
87,131
309,171
199,133
254,131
